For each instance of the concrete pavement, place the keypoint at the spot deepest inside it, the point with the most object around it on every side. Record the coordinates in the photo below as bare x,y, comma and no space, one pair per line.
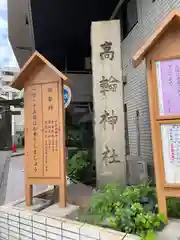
15,181
12,189
19,152
4,170
171,231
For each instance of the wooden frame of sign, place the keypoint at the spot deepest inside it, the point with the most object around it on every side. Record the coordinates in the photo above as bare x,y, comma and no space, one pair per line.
44,125
162,55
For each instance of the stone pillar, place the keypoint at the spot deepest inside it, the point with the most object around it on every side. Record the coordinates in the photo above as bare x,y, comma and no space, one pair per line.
108,103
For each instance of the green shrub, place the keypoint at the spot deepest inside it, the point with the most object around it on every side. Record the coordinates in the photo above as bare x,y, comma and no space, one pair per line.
129,210
173,207
80,167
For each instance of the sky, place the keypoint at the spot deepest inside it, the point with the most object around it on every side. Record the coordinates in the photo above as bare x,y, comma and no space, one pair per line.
7,58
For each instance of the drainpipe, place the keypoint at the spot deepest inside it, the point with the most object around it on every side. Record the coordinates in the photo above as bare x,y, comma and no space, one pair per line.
138,134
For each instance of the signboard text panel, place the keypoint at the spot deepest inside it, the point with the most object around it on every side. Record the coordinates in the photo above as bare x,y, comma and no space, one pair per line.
51,137
33,131
168,81
170,135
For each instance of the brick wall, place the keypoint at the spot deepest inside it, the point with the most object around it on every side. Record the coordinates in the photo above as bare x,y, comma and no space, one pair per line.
135,92
17,224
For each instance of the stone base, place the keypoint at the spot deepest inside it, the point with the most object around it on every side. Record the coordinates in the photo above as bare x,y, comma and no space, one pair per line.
24,224
56,211
38,204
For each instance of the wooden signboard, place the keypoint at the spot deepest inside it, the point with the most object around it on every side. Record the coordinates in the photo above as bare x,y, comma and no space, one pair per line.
44,125
162,55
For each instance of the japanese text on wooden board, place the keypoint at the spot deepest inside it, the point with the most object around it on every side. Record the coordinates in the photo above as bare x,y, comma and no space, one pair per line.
35,130
51,129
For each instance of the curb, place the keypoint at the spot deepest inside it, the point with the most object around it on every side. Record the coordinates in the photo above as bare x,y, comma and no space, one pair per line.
60,227
17,154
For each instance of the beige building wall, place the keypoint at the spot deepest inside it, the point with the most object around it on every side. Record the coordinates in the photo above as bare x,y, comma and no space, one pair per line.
150,15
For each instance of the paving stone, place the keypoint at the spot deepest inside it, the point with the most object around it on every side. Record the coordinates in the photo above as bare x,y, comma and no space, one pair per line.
108,234
25,233
72,226
37,237
53,236
55,230
171,232
131,237
70,235
90,231
39,232
4,236
86,238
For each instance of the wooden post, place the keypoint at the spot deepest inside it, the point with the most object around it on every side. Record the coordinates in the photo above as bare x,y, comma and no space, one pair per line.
159,185
62,192
28,194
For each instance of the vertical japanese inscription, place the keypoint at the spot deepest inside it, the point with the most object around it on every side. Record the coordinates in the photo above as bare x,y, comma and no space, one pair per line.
107,52
108,85
33,131
35,128
110,156
108,104
106,117
51,129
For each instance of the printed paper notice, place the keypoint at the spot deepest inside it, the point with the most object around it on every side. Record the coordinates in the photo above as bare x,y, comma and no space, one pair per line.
168,81
170,135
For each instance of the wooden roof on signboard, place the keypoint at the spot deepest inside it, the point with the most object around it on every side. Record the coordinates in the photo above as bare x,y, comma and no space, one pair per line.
35,60
143,51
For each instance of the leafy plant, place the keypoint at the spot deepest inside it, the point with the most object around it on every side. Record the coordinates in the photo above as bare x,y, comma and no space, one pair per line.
126,210
80,167
102,202
78,134
173,207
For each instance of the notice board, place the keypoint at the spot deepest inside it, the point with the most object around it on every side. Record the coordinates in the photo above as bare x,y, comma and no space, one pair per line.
162,55
168,79
42,130
44,160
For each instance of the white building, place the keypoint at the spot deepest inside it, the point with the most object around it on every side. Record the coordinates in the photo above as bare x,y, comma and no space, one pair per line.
10,93
5,80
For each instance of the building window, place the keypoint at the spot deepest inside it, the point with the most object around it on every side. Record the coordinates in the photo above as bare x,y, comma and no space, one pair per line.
7,73
5,83
14,95
128,16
